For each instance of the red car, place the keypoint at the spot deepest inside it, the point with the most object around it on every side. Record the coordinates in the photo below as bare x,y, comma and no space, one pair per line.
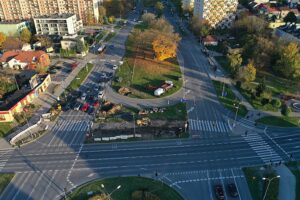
96,104
219,192
85,107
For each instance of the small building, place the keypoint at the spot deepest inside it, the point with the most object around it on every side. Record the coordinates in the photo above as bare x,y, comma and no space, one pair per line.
210,41
14,28
24,59
17,102
57,24
70,41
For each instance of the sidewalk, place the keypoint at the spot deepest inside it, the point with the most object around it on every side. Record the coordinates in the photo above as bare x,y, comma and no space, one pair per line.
287,183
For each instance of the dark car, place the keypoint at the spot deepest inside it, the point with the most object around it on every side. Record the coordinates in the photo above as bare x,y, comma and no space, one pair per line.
219,192
233,190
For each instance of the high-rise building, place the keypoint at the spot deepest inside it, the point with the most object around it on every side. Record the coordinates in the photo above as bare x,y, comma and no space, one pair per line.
218,13
15,10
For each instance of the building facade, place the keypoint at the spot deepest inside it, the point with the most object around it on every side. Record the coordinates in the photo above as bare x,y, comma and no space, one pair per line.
63,24
12,10
218,13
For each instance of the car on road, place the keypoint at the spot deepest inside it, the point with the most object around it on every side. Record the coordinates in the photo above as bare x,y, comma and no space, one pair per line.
90,110
83,96
96,103
232,190
109,75
85,107
77,106
96,87
115,67
219,192
100,94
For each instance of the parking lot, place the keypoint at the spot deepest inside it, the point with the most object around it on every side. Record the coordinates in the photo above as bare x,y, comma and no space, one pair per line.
203,183
61,68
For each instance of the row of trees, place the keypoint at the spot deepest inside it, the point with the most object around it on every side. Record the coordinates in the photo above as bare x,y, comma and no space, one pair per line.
11,42
159,37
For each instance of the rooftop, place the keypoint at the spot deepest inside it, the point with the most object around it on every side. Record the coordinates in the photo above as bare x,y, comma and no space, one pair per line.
23,56
56,16
14,98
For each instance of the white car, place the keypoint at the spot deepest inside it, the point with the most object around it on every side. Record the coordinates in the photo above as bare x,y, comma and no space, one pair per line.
83,96
77,106
115,67
100,94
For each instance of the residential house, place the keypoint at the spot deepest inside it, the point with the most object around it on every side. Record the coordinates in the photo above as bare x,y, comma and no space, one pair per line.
210,41
24,59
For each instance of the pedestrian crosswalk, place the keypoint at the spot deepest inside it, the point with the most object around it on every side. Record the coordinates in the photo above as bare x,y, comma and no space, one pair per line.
209,126
262,148
4,156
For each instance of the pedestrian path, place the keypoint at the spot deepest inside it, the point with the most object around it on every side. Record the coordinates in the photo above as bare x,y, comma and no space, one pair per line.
4,156
68,132
262,148
209,126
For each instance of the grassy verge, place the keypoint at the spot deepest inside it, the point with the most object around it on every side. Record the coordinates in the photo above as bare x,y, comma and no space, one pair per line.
141,73
4,181
76,82
279,121
230,100
109,36
175,112
128,186
297,176
257,186
5,129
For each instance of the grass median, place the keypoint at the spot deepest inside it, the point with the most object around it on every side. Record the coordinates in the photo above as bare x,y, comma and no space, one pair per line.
80,77
229,100
5,129
279,121
4,181
129,186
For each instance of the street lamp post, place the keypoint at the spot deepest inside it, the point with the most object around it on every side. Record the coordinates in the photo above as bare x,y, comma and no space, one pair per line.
269,181
109,194
133,124
236,112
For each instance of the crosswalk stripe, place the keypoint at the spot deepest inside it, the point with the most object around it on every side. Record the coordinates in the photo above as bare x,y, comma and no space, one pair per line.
211,126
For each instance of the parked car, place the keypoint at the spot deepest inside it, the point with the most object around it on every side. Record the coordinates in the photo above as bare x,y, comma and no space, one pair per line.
96,103
77,106
83,96
115,67
233,190
100,94
85,107
219,192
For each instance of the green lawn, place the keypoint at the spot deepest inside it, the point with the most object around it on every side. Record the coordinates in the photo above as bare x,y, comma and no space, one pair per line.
279,121
76,82
257,186
141,73
230,99
5,129
109,36
128,186
175,112
4,181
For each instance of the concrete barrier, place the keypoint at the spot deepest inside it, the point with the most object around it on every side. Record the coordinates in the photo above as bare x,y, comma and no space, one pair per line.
118,137
22,133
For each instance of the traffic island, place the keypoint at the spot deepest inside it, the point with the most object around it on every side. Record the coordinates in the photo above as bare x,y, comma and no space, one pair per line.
280,121
263,182
124,188
119,123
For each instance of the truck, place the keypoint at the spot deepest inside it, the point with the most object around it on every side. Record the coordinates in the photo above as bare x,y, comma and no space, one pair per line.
163,88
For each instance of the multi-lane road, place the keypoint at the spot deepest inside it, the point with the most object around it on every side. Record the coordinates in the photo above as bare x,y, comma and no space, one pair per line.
59,161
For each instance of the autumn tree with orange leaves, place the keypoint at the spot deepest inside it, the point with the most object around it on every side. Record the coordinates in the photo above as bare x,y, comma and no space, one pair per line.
165,46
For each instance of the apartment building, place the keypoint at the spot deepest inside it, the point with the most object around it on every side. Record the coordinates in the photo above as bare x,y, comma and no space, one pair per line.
12,10
57,24
218,13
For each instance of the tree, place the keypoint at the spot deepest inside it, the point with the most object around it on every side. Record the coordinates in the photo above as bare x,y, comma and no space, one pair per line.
290,17
288,63
286,110
200,27
162,25
2,38
165,46
159,6
247,73
12,43
148,18
102,14
261,87
25,35
44,40
276,103
41,69
235,61
111,19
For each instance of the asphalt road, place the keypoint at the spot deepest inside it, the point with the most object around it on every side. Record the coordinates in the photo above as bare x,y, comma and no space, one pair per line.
59,162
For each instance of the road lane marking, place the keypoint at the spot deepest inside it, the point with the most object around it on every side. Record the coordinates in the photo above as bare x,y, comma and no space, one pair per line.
37,182
209,185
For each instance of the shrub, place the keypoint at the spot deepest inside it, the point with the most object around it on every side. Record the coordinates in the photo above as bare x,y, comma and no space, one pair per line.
276,103
265,101
286,110
238,84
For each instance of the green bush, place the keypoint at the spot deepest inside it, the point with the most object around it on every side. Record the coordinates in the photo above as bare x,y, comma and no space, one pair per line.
286,110
276,103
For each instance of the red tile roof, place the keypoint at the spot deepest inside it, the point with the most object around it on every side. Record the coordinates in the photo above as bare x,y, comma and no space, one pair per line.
22,56
209,39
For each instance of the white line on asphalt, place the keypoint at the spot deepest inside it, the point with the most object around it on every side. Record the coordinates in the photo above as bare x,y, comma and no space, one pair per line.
209,185
20,187
37,182
237,186
50,182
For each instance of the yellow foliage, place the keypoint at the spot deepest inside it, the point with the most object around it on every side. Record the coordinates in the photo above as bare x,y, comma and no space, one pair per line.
164,47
